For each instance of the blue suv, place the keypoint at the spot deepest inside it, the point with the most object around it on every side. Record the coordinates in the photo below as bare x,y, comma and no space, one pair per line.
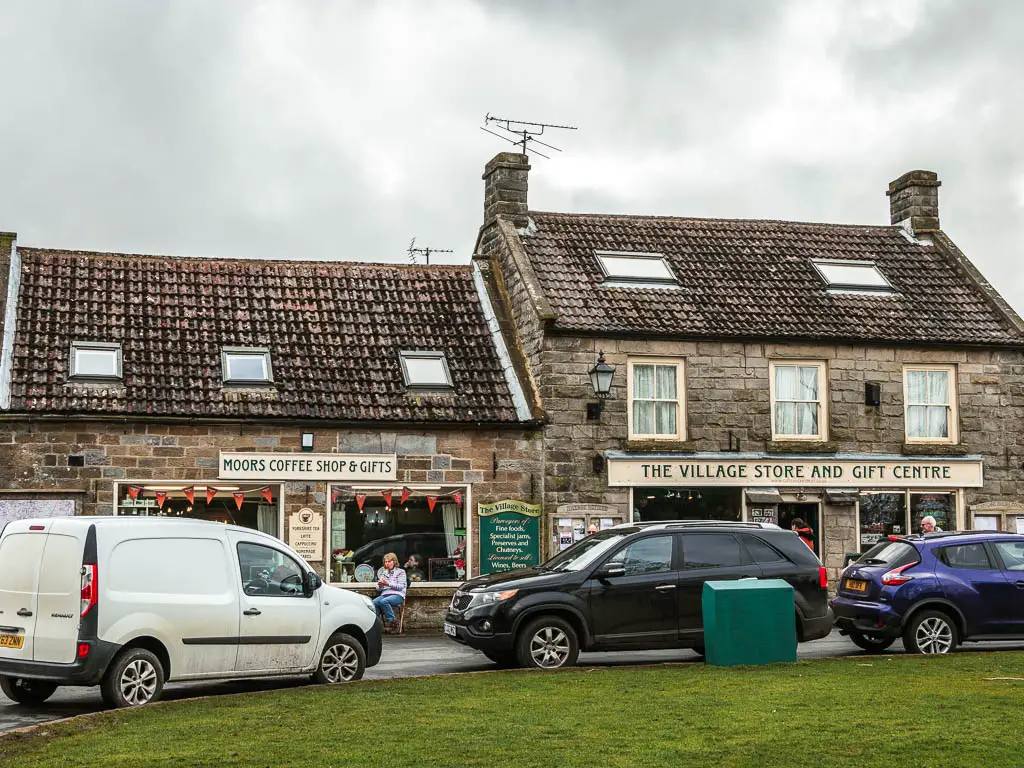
935,591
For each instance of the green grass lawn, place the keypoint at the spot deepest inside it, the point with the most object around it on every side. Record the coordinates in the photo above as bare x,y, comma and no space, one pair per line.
866,711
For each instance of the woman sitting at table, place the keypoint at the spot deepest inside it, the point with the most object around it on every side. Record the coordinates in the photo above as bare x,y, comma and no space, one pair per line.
391,588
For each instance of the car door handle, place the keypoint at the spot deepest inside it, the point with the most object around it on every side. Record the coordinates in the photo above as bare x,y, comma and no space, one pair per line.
1020,584
252,612
665,587
24,612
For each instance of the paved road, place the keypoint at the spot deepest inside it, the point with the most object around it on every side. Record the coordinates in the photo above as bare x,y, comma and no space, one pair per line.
403,657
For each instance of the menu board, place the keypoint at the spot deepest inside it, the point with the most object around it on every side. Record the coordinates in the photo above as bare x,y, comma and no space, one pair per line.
509,535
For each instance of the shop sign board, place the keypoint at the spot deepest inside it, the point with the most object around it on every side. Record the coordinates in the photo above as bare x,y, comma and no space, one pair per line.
306,534
509,535
335,467
803,471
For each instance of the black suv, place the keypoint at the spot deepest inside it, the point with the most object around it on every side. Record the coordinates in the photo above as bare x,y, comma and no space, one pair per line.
631,587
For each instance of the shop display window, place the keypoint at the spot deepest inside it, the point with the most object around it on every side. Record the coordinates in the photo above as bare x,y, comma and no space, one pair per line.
430,543
250,506
900,512
686,504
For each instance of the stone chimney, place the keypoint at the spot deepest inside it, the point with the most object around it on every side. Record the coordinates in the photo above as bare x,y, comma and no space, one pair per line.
914,201
505,182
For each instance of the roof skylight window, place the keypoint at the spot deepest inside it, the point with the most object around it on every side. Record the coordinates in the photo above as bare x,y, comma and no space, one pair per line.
852,276
246,365
635,268
425,370
95,360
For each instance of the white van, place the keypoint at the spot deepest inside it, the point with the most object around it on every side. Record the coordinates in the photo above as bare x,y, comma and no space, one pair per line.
128,603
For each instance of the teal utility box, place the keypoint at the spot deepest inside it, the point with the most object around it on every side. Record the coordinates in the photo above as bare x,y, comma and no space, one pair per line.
748,622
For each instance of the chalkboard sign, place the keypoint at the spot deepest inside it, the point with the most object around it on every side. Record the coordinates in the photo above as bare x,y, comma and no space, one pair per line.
509,535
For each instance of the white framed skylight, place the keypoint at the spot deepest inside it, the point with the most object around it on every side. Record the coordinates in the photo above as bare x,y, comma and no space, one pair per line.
95,360
425,370
635,268
846,275
246,365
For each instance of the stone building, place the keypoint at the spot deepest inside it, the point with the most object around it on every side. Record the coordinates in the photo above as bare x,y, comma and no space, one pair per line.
350,409
856,377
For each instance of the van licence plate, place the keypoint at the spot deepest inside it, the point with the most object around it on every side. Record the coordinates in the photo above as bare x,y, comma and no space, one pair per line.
449,629
12,641
856,585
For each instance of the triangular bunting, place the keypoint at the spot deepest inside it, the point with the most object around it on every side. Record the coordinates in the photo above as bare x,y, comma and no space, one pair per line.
335,495
360,498
406,493
457,497
190,494
431,501
387,497
134,491
161,497
267,494
210,493
239,497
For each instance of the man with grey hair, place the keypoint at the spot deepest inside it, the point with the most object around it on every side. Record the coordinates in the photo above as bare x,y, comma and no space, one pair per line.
928,524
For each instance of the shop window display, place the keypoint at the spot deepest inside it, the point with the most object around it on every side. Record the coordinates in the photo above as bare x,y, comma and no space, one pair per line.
428,538
249,506
882,515
686,504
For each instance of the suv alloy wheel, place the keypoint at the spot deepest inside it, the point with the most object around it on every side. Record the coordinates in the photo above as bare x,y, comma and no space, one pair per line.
930,632
548,643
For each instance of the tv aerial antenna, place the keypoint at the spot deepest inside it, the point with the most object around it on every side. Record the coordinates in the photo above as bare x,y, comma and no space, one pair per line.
524,131
415,253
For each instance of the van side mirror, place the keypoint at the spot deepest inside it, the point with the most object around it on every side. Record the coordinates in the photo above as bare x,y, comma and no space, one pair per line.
311,582
610,570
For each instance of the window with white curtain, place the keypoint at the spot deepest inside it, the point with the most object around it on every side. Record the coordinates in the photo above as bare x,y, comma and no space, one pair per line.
929,395
799,394
656,399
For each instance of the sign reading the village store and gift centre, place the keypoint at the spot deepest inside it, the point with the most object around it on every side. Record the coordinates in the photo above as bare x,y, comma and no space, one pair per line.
358,467
509,535
827,471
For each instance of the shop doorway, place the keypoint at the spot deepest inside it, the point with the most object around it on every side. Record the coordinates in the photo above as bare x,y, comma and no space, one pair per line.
809,513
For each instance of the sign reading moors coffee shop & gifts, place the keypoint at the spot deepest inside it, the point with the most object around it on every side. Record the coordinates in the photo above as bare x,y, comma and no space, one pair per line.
509,535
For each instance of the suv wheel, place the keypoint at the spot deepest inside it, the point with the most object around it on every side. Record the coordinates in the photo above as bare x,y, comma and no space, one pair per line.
25,691
871,643
135,678
930,632
342,661
548,643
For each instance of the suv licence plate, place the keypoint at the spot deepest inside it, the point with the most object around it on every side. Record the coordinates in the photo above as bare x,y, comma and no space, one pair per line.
856,585
12,641
449,629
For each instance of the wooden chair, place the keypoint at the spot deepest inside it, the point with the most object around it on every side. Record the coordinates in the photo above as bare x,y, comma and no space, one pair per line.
399,624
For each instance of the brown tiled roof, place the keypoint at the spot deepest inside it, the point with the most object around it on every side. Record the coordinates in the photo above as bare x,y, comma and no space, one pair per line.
754,279
334,330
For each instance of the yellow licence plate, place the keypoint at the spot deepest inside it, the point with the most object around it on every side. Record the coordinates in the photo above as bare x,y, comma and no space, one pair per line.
12,641
856,585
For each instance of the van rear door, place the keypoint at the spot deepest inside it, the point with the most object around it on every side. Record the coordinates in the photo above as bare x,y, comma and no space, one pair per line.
60,593
21,552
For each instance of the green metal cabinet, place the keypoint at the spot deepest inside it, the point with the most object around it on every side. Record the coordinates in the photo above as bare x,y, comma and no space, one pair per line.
748,622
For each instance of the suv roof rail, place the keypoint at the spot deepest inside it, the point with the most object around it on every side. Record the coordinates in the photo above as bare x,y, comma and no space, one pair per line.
700,524
947,534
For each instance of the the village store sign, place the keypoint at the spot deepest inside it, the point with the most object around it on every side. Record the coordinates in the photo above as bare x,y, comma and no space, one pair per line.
864,472
307,466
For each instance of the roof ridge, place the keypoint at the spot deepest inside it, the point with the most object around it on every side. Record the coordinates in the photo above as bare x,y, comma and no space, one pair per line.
653,217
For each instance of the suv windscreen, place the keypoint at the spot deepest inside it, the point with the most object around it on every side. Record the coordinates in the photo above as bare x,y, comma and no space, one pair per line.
891,553
584,553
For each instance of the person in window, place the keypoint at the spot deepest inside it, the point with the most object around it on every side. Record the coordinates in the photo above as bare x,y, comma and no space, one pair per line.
391,587
414,568
928,524
804,531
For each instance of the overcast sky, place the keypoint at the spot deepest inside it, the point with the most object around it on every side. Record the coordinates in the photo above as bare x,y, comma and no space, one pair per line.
341,130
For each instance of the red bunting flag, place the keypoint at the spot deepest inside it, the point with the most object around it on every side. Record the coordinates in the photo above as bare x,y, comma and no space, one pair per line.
239,497
161,497
190,494
335,495
267,494
431,501
387,497
134,491
360,498
406,493
210,493
457,497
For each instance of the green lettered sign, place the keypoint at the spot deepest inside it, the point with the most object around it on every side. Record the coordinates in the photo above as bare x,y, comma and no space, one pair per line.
509,535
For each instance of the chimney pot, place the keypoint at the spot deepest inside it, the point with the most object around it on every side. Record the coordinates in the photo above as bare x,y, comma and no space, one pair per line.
914,201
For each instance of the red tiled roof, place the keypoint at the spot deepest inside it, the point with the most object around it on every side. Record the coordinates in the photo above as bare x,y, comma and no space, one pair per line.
334,330
754,279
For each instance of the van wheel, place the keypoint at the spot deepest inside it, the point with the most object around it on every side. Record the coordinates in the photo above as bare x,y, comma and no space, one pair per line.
25,691
342,660
548,643
135,678
930,632
871,643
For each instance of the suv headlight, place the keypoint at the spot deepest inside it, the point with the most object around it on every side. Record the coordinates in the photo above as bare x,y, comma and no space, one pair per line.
487,598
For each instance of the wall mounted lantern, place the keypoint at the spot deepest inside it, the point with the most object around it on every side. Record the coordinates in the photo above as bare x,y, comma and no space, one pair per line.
601,380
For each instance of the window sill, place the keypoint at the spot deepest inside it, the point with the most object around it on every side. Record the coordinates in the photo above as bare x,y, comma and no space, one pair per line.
934,449
802,446
660,444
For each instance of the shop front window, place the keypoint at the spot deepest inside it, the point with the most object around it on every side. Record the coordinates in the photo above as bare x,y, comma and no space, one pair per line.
941,506
250,506
882,515
686,504
430,543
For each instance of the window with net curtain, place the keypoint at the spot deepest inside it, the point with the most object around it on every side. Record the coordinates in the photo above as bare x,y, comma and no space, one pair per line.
929,403
798,407
655,406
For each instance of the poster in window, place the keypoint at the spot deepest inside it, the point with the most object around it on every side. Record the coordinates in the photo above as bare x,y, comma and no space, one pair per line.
1020,525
